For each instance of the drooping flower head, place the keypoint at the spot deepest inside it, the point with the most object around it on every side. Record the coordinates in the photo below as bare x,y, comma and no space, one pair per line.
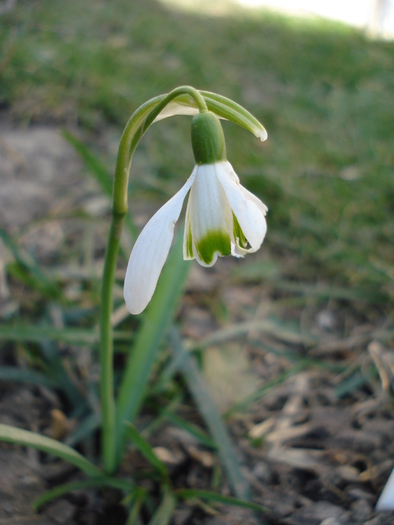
222,217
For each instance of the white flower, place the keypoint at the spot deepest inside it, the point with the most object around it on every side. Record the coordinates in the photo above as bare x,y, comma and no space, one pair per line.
222,218
386,500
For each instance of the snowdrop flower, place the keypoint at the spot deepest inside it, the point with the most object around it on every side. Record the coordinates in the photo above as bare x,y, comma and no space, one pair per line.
222,217
386,500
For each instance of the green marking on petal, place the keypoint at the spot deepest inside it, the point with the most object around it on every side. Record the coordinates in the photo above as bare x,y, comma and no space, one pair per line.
189,244
214,241
239,234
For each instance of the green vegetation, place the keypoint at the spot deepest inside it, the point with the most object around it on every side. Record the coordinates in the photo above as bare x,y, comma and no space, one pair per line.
324,93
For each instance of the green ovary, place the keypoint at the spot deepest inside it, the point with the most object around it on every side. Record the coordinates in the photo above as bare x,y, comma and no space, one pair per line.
214,241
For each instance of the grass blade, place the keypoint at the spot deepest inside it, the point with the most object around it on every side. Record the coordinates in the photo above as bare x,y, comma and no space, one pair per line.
85,429
94,165
21,375
218,498
255,396
75,336
99,172
157,317
354,382
194,430
275,329
134,514
164,513
331,292
147,451
212,418
56,370
29,271
26,438
98,481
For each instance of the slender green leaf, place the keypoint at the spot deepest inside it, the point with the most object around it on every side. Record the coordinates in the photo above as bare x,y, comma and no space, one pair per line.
134,514
165,511
22,375
26,438
166,375
279,330
99,172
330,292
75,336
218,498
194,430
87,426
98,481
354,382
146,450
156,319
27,267
255,396
95,166
211,416
56,370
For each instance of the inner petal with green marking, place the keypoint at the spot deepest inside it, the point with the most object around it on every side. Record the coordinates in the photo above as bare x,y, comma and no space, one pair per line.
188,242
239,236
214,242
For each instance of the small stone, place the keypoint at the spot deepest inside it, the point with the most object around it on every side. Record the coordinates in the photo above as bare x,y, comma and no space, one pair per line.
361,511
348,473
331,521
29,481
182,516
326,320
166,456
182,436
320,512
8,507
61,511
202,456
357,494
262,472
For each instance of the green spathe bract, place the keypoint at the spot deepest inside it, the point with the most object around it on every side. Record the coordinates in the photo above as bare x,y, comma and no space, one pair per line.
213,242
207,138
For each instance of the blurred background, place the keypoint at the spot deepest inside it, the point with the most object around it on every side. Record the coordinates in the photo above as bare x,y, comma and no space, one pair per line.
296,321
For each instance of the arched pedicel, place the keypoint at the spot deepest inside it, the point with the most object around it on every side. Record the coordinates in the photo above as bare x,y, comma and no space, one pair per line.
183,100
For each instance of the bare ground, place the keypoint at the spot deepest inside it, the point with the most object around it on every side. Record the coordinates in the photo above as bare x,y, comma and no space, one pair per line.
311,456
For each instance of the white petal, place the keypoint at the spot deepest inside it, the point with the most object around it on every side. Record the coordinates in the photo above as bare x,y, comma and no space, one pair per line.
246,192
249,211
188,253
207,217
386,500
237,252
248,195
150,252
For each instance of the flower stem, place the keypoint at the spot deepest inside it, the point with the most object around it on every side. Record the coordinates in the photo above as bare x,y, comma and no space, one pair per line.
106,345
134,130
183,90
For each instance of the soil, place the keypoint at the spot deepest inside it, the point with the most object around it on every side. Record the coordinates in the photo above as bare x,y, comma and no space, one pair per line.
312,456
